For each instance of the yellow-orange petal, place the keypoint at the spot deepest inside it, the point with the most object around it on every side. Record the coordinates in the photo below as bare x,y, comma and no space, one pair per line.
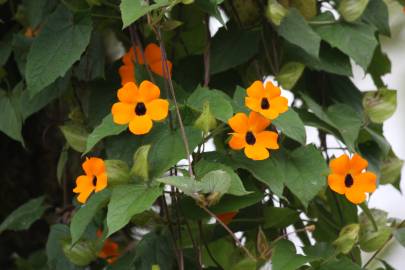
272,91
237,141
93,166
83,183
101,182
148,91
129,93
270,113
239,123
280,104
152,53
256,90
157,67
253,103
127,74
157,109
84,195
140,125
336,182
357,164
122,113
340,165
258,122
267,139
256,152
355,196
367,181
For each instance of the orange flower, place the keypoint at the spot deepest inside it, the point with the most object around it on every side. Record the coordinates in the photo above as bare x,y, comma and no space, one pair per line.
95,178
266,100
110,250
227,217
348,177
139,106
250,134
153,58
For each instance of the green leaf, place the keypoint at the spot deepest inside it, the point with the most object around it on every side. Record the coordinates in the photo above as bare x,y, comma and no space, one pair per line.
106,128
81,253
131,10
295,29
292,126
56,257
391,168
60,43
23,217
117,172
376,13
379,66
140,166
5,51
341,264
348,237
10,117
154,249
356,40
168,149
127,201
285,257
399,234
380,105
303,171
226,44
351,10
308,8
347,122
86,213
277,217
290,74
210,7
275,12
236,188
75,135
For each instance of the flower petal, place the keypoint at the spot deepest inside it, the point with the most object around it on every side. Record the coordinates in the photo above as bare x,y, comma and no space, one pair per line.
83,183
257,122
252,103
256,152
340,165
336,183
152,53
157,67
256,90
157,109
270,113
129,93
149,91
140,125
355,196
267,139
129,57
93,166
84,195
272,91
127,74
239,123
357,164
237,141
101,182
280,104
122,113
367,182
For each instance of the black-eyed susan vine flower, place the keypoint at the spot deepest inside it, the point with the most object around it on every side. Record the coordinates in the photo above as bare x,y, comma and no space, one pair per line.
266,100
110,250
138,107
348,177
249,133
94,179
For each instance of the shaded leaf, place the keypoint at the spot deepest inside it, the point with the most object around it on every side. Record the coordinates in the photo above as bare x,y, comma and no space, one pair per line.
131,10
285,257
292,126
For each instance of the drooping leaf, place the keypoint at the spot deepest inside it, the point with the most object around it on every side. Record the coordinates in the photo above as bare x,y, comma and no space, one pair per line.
356,40
60,43
285,257
277,217
56,257
127,201
11,119
351,10
291,125
106,128
23,217
380,105
228,43
289,74
376,13
348,237
295,29
131,11
86,213
340,264
75,135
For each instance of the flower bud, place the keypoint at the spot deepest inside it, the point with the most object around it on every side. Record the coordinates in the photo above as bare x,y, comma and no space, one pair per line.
206,121
275,12
348,236
82,253
140,168
351,10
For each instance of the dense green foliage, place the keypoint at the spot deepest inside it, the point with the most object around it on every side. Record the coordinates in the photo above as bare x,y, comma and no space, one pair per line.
177,195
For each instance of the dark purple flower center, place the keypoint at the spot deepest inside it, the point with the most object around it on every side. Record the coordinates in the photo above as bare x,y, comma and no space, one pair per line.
265,104
140,109
349,180
250,138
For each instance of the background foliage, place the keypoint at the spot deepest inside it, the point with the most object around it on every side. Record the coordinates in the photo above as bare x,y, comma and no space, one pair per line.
59,78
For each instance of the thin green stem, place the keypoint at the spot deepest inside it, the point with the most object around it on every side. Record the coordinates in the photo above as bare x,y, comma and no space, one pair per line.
369,215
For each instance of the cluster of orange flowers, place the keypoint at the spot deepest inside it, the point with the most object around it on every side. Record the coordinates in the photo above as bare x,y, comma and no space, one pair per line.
139,106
